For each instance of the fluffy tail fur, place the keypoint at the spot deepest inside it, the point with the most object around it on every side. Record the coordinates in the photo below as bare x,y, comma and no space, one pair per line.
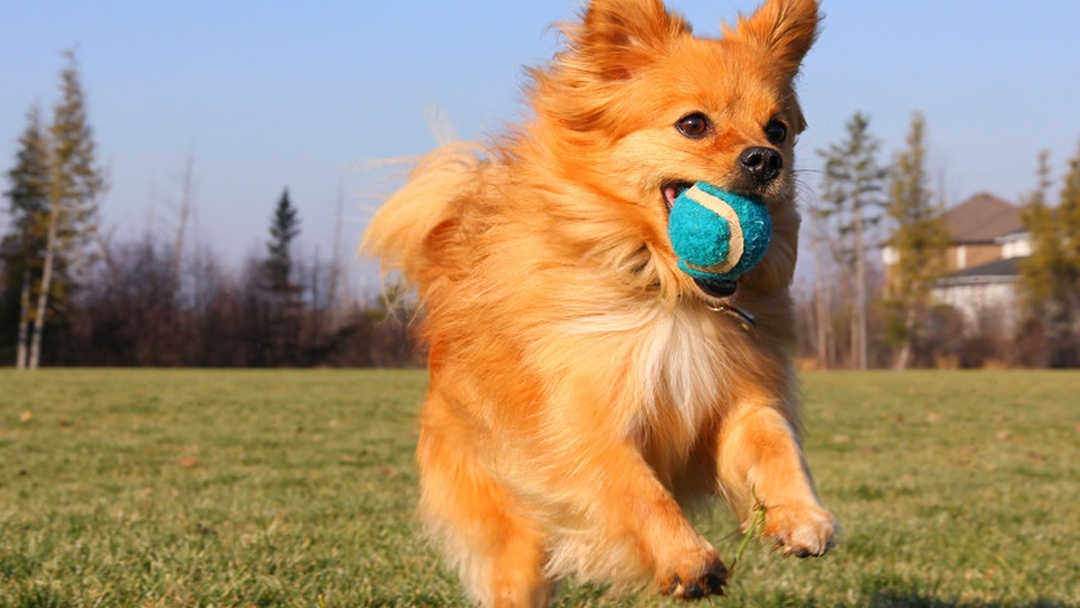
399,232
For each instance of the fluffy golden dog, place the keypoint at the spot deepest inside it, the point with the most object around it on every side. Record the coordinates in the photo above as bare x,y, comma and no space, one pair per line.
584,390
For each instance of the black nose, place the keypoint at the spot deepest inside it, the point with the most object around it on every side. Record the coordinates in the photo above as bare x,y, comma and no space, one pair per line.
761,165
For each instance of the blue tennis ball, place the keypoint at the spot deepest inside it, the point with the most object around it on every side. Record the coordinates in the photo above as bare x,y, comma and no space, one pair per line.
718,235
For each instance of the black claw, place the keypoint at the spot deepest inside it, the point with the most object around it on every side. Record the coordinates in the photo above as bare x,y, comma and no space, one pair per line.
714,584
693,591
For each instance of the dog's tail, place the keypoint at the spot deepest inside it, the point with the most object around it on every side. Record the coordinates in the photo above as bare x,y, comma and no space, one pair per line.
399,232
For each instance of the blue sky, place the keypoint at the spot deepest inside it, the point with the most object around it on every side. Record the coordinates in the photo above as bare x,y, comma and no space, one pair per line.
267,94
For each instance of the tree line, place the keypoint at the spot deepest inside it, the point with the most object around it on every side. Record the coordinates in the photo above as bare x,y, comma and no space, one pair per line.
862,313
70,294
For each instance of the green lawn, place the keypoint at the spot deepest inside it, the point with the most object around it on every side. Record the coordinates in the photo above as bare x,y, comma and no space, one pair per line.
296,488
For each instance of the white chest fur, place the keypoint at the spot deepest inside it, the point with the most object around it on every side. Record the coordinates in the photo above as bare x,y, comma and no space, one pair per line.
680,366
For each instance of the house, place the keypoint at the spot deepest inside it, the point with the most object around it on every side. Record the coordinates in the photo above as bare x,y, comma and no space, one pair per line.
983,230
986,242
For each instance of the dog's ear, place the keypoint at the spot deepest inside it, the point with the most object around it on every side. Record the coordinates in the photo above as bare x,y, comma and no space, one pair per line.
786,27
616,38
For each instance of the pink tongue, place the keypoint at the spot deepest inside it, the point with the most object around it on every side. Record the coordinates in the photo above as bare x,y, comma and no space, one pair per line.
670,194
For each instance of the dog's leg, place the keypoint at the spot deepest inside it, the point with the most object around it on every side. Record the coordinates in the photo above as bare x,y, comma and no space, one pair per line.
644,526
685,565
497,551
761,465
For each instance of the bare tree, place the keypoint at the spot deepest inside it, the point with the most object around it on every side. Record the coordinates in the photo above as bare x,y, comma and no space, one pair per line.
183,214
824,342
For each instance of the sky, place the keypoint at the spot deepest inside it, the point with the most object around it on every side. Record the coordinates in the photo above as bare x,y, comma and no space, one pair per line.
266,95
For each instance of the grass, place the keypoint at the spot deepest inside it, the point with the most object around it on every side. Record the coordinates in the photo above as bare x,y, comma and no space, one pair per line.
296,488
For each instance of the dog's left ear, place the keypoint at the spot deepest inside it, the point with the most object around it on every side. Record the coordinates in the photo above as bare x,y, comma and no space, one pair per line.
616,38
786,27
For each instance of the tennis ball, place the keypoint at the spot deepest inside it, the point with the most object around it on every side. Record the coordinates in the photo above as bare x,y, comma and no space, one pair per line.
718,235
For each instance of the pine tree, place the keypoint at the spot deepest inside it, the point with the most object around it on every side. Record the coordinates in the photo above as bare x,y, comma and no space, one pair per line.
284,228
1039,270
853,204
919,239
74,184
1069,210
1069,218
22,249
1050,277
282,323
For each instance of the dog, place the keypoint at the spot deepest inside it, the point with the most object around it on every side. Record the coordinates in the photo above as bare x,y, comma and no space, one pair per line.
585,392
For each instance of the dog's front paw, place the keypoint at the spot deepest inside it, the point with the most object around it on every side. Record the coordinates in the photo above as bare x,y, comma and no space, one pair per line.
800,530
693,575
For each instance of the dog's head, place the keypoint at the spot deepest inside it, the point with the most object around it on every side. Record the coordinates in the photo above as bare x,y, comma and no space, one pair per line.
639,109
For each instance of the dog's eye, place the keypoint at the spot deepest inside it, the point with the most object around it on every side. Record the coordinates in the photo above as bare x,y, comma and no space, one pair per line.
776,132
693,125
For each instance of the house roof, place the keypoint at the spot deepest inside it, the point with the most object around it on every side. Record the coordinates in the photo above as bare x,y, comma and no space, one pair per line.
998,271
982,219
